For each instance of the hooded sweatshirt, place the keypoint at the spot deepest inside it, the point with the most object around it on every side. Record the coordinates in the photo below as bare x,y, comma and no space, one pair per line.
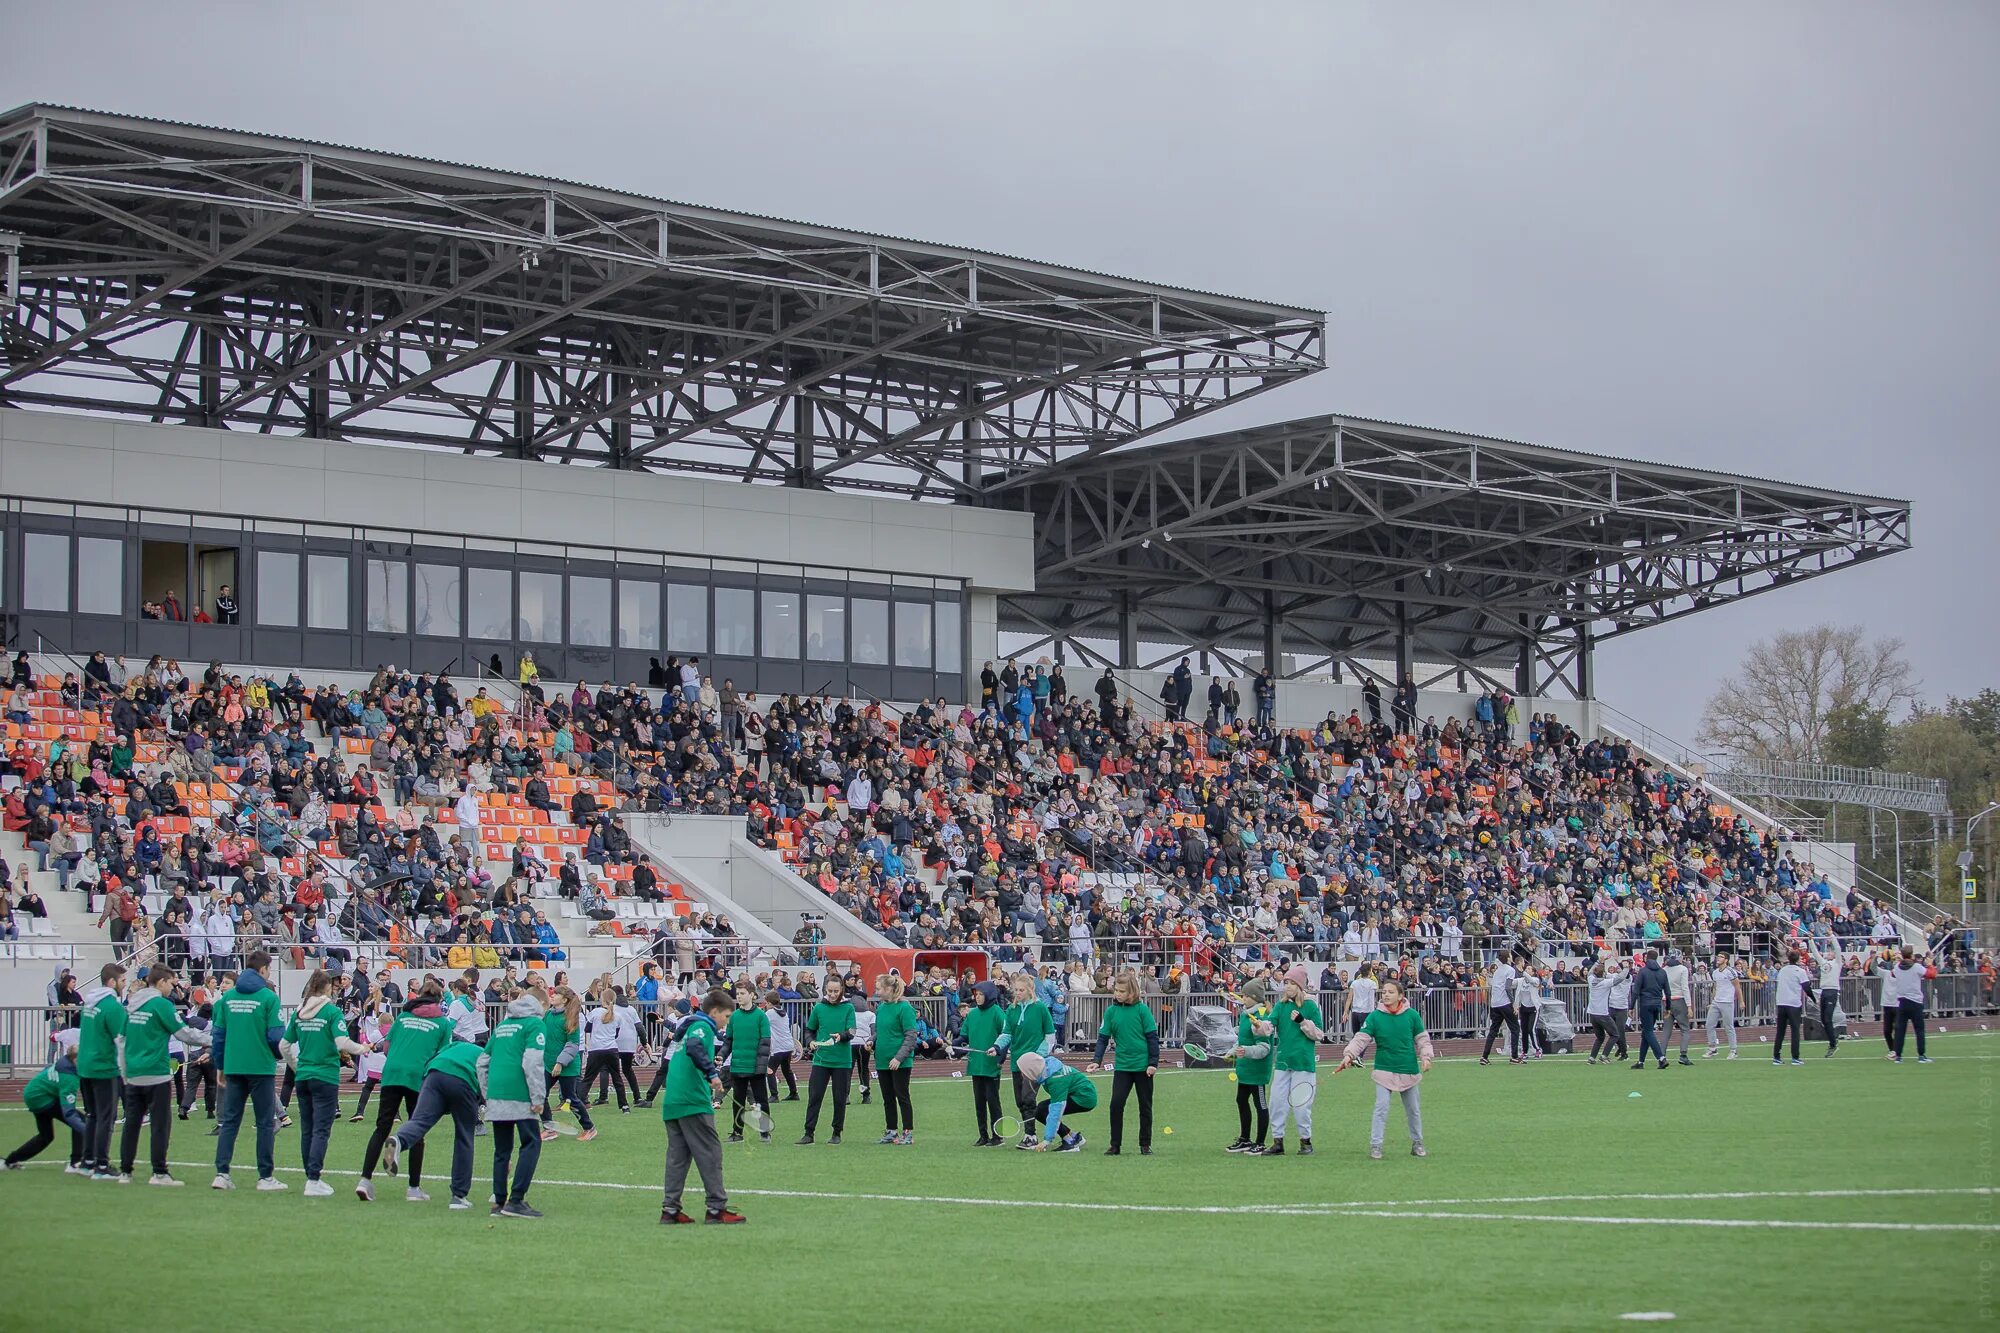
152,1023
247,1028
515,1064
99,1032
55,1089
414,1040
315,1040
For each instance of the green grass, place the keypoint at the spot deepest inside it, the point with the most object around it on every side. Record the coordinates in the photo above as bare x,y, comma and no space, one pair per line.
78,1254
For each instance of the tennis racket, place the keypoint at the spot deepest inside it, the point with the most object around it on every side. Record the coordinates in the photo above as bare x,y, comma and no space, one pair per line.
1302,1094
760,1120
565,1129
1008,1127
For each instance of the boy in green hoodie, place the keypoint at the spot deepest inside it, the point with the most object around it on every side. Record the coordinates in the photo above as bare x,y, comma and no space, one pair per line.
689,1113
982,1025
50,1096
746,1043
314,1041
247,1029
152,1023
413,1041
517,1087
99,1030
454,1085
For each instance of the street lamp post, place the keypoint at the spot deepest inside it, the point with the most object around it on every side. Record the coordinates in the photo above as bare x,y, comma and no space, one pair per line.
1971,826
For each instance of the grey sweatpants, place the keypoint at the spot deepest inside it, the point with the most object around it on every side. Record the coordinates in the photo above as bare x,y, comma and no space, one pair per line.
1722,1016
692,1138
1677,1013
1412,1112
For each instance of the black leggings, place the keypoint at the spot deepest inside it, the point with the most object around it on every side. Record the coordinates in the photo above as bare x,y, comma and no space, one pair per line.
1531,1038
100,1113
395,1104
187,1077
1252,1102
46,1121
1618,1031
816,1093
1124,1082
864,1065
628,1070
1909,1014
1503,1016
1828,999
1063,1130
1025,1093
986,1102
600,1066
569,1092
1789,1016
745,1088
152,1102
367,1091
896,1099
781,1064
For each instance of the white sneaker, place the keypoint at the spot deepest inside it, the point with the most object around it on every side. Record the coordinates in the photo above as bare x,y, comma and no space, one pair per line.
271,1185
364,1190
222,1183
1732,1055
415,1195
1708,1054
318,1189
124,1177
459,1205
72,1169
166,1181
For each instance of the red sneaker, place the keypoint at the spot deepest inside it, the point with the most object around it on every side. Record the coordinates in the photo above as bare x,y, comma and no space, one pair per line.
724,1218
668,1219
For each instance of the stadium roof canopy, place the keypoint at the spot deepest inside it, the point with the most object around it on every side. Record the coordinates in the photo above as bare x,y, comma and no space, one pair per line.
1340,541
193,275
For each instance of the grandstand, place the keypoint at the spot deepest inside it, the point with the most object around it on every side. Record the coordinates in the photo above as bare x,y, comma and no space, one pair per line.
392,429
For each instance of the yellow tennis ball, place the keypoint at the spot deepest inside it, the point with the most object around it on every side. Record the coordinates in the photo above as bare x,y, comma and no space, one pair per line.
1166,1129
1232,1078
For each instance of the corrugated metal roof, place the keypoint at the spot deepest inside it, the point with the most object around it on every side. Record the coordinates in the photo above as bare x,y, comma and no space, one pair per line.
181,128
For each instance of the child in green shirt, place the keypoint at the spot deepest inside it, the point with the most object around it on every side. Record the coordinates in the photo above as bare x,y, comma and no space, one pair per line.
1254,1053
746,1045
689,1114
981,1026
314,1041
895,1043
50,1096
1403,1054
829,1035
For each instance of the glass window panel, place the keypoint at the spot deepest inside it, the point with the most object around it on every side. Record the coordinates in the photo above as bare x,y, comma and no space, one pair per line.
638,614
45,572
326,592
735,622
950,638
277,588
826,627
437,600
100,576
590,612
687,618
913,634
781,625
871,631
489,604
540,615
388,597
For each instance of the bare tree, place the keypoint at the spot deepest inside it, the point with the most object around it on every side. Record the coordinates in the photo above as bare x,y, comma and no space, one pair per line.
1778,704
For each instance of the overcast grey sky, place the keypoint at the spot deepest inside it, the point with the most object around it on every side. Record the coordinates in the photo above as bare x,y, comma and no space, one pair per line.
1740,235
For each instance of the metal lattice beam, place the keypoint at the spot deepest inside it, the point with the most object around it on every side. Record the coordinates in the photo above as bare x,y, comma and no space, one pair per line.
204,276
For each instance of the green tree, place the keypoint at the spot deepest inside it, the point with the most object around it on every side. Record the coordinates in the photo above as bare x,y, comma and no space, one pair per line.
1935,744
1858,735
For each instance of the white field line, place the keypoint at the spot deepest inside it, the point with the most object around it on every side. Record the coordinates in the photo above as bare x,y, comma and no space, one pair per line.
1372,1210
1644,1198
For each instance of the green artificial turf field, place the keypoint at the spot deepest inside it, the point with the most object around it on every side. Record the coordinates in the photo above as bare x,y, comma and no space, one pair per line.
1861,1193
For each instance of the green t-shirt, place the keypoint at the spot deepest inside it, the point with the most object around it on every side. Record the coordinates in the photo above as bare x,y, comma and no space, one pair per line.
686,1091
893,1021
98,1031
749,1030
1296,1051
1395,1040
53,1090
556,1024
244,1023
828,1020
1028,1026
506,1055
147,1031
317,1039
1073,1088
413,1043
1127,1025
982,1025
1254,1073
460,1059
